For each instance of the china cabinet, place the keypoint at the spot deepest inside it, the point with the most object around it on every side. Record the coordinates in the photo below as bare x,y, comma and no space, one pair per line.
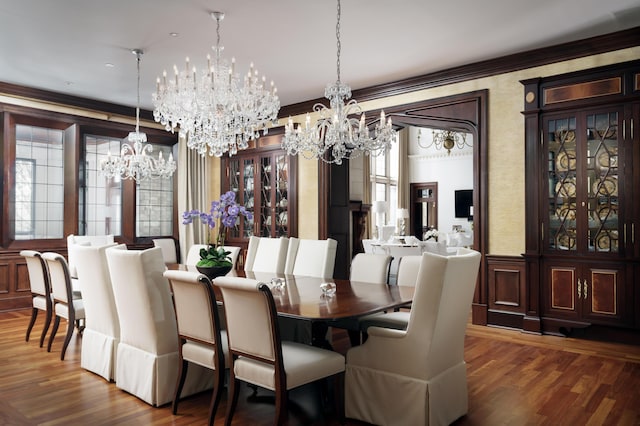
581,177
263,178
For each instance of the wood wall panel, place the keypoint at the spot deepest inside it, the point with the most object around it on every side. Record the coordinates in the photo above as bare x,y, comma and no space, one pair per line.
5,282
506,284
22,278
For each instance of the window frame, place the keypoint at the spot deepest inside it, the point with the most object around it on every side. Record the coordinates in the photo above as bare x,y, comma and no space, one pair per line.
75,128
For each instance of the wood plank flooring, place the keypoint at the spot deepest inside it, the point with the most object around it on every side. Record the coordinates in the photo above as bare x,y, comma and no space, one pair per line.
514,379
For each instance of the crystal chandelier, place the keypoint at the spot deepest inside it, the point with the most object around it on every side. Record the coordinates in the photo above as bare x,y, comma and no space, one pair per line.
336,135
446,139
135,161
214,112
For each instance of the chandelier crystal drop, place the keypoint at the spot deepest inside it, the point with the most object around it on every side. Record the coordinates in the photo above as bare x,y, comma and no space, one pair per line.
218,111
135,160
337,135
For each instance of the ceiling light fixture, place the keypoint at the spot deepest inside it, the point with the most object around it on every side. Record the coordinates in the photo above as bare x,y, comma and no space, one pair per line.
336,135
218,112
447,139
135,161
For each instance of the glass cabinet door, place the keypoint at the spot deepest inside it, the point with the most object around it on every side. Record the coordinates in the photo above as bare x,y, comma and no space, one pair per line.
562,184
241,181
602,182
583,184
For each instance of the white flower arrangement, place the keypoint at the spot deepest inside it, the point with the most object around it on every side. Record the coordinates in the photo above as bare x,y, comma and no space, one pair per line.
431,233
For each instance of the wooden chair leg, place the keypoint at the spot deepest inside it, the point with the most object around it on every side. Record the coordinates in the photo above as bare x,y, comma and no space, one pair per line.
34,315
182,375
56,324
218,384
67,338
281,406
339,396
232,400
47,322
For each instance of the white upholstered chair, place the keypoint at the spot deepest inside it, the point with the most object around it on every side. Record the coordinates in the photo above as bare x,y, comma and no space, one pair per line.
370,268
169,249
193,255
260,357
102,329
266,254
408,270
425,364
147,354
315,258
83,240
64,304
366,268
202,342
40,291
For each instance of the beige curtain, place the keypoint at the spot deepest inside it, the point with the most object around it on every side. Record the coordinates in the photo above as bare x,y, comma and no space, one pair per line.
403,169
193,193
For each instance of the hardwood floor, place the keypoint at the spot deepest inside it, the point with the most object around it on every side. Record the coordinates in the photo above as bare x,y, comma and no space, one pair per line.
514,379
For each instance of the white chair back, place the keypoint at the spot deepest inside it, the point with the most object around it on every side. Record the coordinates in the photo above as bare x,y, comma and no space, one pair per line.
83,240
266,254
315,258
408,269
370,268
102,329
169,249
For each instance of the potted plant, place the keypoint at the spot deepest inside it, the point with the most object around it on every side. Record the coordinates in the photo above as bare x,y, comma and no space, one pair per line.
214,260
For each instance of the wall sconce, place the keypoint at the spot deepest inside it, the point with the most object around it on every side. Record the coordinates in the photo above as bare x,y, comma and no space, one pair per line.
447,139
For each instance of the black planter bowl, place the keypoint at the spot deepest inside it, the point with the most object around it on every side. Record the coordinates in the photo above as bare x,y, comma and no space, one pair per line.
213,271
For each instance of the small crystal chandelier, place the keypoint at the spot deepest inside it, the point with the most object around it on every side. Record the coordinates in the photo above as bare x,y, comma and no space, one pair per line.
337,136
446,139
135,161
214,112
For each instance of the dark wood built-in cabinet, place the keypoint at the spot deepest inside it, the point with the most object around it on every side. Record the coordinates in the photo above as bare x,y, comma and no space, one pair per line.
582,175
263,178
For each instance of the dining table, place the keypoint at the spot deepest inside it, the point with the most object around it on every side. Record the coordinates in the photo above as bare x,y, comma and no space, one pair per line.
302,298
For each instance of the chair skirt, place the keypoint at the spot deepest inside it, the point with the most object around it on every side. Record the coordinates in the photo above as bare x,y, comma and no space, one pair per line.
438,401
98,353
152,377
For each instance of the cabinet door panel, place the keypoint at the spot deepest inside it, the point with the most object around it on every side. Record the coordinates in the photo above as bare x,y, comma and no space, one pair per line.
605,294
563,288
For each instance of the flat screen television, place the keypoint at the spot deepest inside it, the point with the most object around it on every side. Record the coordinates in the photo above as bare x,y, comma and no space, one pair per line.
463,202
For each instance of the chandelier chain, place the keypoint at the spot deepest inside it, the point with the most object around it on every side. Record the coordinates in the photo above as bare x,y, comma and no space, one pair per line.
338,41
138,55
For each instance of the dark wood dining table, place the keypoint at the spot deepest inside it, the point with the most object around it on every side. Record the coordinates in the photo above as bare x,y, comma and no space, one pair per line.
302,298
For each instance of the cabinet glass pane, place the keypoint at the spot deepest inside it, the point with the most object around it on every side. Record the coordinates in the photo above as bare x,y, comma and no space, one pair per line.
248,196
282,199
266,207
602,181
234,185
562,170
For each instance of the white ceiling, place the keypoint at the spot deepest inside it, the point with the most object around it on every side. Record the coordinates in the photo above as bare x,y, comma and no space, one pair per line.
63,45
